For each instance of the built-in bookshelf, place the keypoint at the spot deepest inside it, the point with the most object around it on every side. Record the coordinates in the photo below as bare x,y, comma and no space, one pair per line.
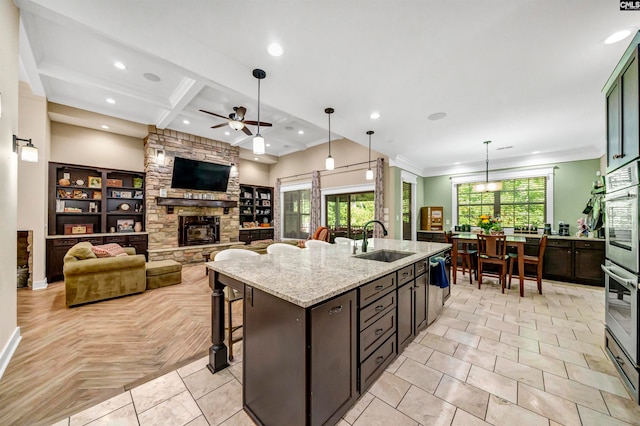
256,205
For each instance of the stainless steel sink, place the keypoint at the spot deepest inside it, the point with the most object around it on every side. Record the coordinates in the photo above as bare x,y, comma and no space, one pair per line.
384,255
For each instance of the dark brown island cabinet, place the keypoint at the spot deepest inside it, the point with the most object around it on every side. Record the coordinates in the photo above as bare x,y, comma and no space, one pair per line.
308,366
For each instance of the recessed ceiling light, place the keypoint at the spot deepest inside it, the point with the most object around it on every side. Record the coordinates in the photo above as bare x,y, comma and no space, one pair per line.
151,77
536,152
255,158
375,115
617,36
120,65
111,101
301,132
274,49
104,126
227,133
268,144
289,128
457,162
185,121
437,116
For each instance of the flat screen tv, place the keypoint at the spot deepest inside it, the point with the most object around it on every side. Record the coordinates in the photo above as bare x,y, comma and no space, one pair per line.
201,175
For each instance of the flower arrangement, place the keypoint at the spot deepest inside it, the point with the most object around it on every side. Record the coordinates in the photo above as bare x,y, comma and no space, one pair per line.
488,223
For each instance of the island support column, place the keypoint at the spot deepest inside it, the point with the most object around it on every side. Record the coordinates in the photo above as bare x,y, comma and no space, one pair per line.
218,358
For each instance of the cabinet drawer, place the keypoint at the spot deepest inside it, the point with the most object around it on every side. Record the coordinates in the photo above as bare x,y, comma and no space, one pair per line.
558,243
115,239
68,242
94,240
136,238
375,289
380,331
421,267
377,362
371,313
595,245
405,275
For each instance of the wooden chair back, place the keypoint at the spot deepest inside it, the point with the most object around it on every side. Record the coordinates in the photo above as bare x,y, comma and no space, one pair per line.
541,247
492,246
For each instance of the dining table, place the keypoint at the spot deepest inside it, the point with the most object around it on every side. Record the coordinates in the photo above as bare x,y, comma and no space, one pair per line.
512,241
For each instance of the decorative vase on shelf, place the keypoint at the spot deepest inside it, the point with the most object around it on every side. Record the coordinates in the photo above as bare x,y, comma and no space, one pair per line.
137,227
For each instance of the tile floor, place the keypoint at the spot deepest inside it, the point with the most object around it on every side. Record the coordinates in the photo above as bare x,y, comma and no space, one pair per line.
489,359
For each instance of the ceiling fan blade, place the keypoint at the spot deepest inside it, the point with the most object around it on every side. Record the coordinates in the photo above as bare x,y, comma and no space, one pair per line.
213,113
246,130
219,125
255,123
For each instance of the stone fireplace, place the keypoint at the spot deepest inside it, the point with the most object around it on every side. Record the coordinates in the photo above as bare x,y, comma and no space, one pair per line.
198,230
168,208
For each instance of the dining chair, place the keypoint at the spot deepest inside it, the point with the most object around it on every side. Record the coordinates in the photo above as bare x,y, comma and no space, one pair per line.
492,250
468,258
343,240
281,248
321,233
316,243
232,295
531,260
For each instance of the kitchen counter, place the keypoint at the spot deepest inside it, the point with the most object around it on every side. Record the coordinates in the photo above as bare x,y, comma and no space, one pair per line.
553,236
320,325
315,275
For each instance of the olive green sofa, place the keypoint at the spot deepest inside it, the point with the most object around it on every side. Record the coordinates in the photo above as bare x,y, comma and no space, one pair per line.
88,278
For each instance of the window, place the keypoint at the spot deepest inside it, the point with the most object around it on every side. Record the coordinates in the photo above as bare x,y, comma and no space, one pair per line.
406,211
521,202
347,213
296,213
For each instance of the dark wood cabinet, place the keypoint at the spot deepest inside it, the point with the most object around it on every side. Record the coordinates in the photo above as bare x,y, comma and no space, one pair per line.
256,204
406,321
576,261
320,341
421,299
249,235
623,108
431,237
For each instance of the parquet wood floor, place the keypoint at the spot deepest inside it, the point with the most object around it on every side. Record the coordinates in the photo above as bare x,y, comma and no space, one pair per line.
70,359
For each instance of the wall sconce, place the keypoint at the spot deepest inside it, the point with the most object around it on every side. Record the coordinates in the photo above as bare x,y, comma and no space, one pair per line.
28,152
160,156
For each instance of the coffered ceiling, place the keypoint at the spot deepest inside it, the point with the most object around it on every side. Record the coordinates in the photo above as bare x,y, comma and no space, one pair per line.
525,74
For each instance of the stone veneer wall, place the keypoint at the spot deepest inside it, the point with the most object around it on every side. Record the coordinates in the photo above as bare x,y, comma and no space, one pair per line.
163,227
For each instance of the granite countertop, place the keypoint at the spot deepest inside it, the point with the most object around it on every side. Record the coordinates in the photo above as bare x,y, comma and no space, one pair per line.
314,275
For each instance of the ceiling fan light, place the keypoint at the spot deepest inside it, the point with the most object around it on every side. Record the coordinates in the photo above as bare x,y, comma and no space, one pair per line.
258,145
329,163
236,125
369,174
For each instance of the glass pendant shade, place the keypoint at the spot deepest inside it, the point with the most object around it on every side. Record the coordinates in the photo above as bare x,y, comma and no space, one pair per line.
329,163
369,174
258,144
487,186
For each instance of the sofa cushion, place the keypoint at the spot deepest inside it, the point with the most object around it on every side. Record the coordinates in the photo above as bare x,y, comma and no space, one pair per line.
82,251
109,250
161,267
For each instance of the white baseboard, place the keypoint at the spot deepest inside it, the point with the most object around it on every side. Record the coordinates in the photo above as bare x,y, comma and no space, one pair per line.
8,350
39,285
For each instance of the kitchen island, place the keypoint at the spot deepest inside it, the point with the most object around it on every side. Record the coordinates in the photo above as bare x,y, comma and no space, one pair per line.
322,324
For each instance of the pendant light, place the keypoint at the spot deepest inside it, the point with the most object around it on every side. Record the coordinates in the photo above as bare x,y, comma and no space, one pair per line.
258,140
487,186
369,174
329,163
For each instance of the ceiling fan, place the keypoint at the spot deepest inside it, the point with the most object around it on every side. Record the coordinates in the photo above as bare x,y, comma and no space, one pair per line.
236,120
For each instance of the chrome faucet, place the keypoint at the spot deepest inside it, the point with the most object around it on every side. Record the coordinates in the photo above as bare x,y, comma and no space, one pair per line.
364,229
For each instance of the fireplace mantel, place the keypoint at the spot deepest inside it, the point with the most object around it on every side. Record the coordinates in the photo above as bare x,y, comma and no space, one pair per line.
191,202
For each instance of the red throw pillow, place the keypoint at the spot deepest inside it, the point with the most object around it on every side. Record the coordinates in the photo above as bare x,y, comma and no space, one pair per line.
109,250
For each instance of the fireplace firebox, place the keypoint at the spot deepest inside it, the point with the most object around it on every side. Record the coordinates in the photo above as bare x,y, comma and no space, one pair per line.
198,230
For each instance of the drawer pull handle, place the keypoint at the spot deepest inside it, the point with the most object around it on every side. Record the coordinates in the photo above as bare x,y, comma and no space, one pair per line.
379,308
335,310
405,274
379,360
618,156
620,360
379,287
379,331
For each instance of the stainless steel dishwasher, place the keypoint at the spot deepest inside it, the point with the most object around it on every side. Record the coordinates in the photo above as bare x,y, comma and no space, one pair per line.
436,292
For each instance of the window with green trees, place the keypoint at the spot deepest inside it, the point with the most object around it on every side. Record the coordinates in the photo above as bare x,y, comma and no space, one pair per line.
520,203
296,211
347,213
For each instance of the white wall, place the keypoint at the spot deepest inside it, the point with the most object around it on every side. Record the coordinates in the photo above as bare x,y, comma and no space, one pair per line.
254,173
9,332
33,124
88,147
